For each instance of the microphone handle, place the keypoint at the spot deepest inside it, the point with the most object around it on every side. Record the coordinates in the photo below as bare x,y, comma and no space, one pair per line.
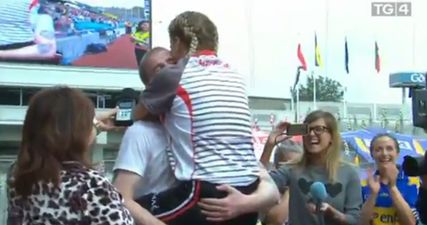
320,213
321,218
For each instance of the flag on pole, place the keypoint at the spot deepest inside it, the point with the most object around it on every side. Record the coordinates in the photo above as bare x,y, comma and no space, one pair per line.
301,58
346,56
317,58
255,126
272,120
377,58
33,4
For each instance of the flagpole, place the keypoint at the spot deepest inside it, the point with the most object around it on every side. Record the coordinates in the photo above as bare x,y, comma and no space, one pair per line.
314,90
297,106
293,105
345,102
295,88
292,99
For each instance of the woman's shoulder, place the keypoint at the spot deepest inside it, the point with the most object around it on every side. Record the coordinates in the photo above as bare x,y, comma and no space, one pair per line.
348,169
347,166
82,174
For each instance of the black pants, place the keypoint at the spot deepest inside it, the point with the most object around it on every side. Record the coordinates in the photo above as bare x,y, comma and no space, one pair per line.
139,53
178,206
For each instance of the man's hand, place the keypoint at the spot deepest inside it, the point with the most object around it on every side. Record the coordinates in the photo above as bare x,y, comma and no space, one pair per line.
221,209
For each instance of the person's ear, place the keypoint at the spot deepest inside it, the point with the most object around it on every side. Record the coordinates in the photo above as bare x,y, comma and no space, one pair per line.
175,41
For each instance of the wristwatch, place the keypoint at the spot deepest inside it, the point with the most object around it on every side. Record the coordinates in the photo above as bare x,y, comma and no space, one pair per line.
96,124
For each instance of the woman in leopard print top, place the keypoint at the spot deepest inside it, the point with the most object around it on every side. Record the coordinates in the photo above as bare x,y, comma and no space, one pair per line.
52,181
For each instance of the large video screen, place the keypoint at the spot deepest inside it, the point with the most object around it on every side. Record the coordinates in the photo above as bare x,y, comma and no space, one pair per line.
83,33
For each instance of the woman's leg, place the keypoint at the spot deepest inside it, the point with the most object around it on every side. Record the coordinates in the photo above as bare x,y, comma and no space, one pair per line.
139,54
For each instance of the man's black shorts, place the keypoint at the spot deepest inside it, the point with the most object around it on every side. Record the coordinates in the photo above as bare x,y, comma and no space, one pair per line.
178,206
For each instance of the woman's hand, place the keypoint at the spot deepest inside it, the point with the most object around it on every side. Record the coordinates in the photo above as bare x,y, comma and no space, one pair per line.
373,182
277,134
390,172
312,207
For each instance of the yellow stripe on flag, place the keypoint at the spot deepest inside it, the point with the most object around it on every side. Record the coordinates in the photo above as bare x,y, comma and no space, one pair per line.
418,148
362,145
318,58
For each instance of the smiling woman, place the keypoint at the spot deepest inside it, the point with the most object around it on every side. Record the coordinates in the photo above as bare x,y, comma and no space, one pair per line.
320,162
389,194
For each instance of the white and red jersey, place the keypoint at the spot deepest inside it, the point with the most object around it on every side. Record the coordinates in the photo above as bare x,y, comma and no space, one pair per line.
206,113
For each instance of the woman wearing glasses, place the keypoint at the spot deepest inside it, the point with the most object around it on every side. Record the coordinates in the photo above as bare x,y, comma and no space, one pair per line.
320,162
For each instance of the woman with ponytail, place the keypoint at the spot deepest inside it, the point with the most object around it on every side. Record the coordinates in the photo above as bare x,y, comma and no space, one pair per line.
205,111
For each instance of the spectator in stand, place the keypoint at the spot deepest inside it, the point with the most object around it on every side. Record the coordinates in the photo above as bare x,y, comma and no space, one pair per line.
141,40
128,26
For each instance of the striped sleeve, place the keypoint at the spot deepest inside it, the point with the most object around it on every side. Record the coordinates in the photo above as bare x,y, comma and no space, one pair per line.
415,213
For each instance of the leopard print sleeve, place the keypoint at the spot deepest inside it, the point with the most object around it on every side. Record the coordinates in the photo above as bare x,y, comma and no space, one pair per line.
14,208
104,204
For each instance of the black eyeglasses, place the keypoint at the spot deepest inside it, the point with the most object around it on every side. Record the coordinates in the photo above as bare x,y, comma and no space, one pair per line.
318,130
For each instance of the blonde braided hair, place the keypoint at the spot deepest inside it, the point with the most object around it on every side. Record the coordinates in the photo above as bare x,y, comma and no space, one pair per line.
196,30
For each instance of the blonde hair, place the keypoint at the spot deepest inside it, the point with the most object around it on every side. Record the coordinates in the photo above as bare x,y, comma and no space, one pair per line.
333,155
196,30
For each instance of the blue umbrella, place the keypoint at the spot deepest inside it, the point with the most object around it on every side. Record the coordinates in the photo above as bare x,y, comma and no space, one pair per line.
359,140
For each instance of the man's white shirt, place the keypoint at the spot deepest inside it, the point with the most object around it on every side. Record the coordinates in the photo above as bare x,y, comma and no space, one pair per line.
143,151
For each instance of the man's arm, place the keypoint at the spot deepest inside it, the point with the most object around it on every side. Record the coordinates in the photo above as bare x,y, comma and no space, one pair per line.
278,214
130,166
126,182
266,195
237,203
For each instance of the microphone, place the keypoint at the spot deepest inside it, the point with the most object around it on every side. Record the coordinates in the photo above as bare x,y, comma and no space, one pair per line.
319,195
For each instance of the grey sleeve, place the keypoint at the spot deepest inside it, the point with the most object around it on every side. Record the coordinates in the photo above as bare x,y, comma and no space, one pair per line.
353,198
281,177
160,93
